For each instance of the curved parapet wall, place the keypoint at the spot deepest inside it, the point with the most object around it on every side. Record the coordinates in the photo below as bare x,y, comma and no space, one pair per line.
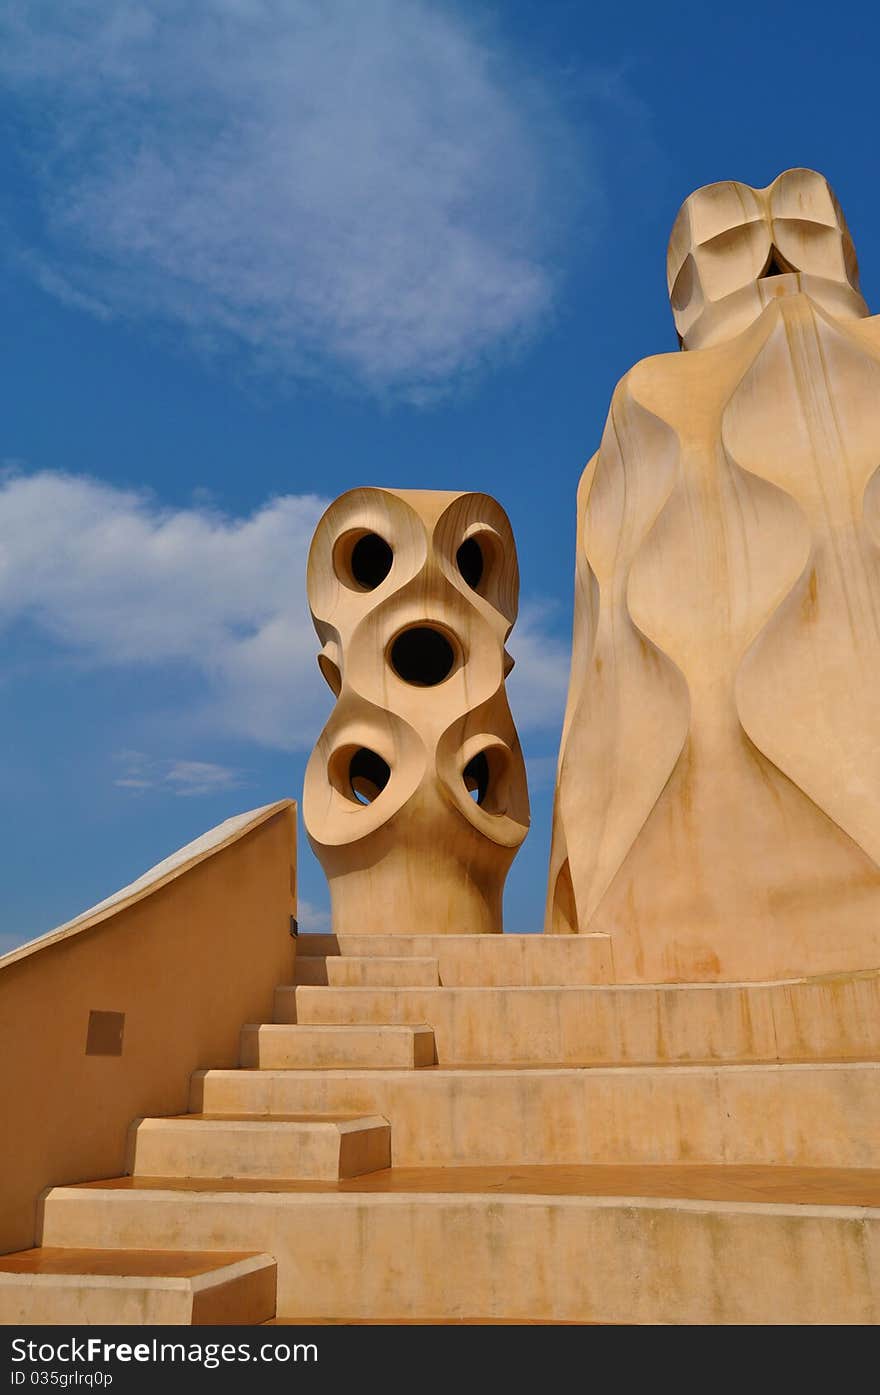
415,797
106,1018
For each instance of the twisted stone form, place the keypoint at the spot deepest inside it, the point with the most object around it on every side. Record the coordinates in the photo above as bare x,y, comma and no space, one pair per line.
718,795
415,796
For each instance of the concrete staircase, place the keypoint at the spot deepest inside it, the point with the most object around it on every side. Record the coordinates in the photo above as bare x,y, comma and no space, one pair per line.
435,1129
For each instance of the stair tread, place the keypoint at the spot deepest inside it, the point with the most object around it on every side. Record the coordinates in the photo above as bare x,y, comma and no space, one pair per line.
53,1261
335,1118
761,1183
568,1068
309,1321
606,989
320,942
365,1120
382,958
393,1028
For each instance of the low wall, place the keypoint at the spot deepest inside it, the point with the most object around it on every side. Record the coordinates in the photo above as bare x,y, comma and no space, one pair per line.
168,970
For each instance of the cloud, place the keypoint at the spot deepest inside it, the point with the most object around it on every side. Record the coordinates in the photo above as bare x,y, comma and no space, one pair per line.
374,191
114,578
140,772
538,685
312,918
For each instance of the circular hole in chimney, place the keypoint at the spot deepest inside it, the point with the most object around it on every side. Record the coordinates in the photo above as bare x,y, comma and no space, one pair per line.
476,777
486,777
470,562
370,561
368,774
422,656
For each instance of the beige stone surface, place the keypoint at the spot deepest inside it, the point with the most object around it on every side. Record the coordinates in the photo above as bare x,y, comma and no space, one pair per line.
106,1288
660,1192
309,1147
717,808
183,957
836,1018
785,1186
268,1046
733,249
475,960
365,971
512,1252
413,594
809,1115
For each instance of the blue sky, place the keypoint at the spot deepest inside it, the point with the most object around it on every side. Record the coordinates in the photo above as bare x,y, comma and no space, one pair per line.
255,253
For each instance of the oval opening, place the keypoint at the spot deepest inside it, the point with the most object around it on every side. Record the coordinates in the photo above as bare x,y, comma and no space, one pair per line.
476,777
331,674
370,561
471,563
368,774
422,656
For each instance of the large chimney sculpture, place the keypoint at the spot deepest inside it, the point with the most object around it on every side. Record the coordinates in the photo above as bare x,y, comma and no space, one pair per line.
415,796
718,795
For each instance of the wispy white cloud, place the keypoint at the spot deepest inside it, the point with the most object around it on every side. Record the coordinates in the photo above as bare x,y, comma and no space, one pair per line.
116,579
538,685
371,190
312,917
139,772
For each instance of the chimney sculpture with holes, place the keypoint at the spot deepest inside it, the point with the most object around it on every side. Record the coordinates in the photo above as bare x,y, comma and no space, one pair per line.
718,796
415,798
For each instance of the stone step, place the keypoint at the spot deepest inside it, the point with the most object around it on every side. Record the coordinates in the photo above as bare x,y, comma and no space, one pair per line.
834,1018
270,1046
485,960
313,1147
309,969
635,1245
346,1321
107,1287
810,1114
368,971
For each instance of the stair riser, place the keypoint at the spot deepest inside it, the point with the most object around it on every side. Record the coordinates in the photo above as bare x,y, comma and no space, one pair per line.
348,972
296,1047
569,1258
828,1020
309,970
320,1152
84,1301
487,960
810,1116
343,971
